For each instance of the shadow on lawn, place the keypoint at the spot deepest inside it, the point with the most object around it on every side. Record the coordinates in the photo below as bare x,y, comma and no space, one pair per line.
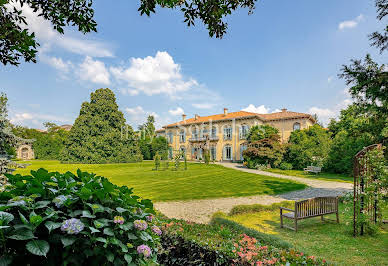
279,187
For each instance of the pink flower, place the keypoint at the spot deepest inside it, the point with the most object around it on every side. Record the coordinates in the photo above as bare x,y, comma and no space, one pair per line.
118,219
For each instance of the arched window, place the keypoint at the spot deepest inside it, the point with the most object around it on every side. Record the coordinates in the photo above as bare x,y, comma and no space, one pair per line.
296,126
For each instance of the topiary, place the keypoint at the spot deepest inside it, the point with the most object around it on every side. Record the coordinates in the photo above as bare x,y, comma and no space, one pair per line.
51,218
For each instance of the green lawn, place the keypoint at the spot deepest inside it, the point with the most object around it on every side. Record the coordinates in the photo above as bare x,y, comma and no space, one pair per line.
200,181
328,240
322,176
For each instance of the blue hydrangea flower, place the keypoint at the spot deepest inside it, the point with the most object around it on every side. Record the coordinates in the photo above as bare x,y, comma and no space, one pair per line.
72,226
60,200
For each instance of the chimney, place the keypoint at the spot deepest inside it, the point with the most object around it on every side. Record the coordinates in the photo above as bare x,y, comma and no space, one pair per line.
196,116
284,110
183,117
225,111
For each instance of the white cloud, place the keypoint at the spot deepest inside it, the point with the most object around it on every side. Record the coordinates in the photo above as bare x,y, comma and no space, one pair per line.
56,62
45,33
155,75
324,114
348,24
94,71
177,111
36,120
135,111
203,105
138,115
259,109
129,92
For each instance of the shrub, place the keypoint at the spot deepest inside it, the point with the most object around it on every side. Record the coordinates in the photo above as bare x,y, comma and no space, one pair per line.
226,243
207,157
57,219
157,161
285,166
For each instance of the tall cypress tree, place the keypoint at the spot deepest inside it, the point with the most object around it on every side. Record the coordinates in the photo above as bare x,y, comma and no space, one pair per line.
100,133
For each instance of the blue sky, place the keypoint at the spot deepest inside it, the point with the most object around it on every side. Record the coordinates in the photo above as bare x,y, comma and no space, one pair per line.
286,54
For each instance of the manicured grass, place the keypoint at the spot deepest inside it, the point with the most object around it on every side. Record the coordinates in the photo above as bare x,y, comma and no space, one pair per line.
321,176
328,240
199,181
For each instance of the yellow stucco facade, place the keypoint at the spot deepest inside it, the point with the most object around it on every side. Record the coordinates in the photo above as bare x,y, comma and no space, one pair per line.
224,134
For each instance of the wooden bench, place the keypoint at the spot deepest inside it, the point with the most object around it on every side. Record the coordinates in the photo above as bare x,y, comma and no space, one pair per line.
310,208
313,169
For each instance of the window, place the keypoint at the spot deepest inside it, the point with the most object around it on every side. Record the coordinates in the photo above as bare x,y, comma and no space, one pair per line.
182,136
194,134
213,153
214,133
228,152
243,147
203,133
296,126
169,137
227,133
244,130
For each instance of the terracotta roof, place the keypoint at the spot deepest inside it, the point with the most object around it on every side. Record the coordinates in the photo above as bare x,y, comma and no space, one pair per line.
66,127
285,115
241,115
218,117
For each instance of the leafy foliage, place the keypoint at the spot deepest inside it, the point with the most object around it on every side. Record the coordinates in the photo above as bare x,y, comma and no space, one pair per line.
54,219
17,42
97,134
369,84
211,13
224,243
308,147
353,131
47,145
264,147
380,40
261,132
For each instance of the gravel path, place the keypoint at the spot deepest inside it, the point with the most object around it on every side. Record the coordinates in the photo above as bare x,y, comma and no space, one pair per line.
200,211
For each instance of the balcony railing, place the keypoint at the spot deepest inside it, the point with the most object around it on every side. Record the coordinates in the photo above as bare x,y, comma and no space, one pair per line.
212,138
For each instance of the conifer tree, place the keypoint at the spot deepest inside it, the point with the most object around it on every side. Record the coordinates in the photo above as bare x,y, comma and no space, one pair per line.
100,133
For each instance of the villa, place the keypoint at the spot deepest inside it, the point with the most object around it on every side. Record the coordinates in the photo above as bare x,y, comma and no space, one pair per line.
224,135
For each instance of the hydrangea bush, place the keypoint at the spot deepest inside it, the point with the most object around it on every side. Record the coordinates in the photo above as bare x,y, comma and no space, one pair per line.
78,219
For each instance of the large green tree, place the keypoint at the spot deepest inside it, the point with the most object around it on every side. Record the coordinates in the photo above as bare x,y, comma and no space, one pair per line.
354,130
17,42
308,147
380,39
7,138
100,133
47,145
264,147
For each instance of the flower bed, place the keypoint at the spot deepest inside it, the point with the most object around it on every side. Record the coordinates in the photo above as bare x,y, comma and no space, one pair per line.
194,244
83,219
